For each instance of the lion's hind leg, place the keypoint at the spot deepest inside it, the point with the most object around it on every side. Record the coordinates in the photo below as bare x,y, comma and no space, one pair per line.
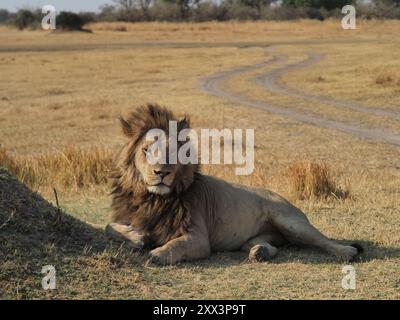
259,248
296,228
122,232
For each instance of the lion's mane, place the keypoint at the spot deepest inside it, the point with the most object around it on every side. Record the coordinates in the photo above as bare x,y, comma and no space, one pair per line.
160,218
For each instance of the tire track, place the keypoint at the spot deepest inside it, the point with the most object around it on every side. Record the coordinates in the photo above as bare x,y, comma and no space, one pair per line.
271,81
213,86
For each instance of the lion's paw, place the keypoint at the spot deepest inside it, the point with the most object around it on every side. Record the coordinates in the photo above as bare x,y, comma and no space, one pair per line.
261,253
125,233
161,256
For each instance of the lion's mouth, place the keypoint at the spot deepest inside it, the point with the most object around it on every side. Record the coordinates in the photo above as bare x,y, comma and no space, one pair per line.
161,183
159,188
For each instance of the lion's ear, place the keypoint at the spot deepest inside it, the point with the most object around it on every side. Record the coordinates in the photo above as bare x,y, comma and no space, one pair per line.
184,123
126,127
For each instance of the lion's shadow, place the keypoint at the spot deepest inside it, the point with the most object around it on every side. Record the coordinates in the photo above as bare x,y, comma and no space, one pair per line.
307,255
34,232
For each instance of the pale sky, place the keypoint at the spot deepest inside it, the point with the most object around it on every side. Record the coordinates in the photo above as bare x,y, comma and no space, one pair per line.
64,5
60,5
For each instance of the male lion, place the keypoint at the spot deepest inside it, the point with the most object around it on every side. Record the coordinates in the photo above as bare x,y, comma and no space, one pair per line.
183,215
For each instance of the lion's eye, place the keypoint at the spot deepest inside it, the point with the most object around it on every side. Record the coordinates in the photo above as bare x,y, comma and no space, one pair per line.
145,150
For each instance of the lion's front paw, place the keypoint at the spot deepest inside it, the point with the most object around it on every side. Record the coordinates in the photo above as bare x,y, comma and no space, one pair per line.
125,233
162,257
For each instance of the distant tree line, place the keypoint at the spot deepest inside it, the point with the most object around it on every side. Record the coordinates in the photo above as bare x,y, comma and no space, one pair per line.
32,19
206,10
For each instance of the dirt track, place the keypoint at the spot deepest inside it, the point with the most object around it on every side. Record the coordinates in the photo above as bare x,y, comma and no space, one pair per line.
271,82
213,85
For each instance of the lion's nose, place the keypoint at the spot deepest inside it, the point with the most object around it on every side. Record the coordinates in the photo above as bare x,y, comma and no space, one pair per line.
162,173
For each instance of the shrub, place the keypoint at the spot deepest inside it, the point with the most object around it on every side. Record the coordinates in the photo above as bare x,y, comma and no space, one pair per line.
120,28
283,13
165,12
69,21
24,19
313,13
87,17
4,15
388,77
327,4
239,11
313,179
207,11
107,13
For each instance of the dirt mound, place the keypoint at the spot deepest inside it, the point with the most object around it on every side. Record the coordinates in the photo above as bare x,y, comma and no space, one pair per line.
28,222
34,233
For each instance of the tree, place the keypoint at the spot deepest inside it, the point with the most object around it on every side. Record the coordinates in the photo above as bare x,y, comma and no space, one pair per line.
87,17
387,2
69,21
184,6
24,19
107,13
130,5
144,6
317,4
386,9
4,15
256,4
126,4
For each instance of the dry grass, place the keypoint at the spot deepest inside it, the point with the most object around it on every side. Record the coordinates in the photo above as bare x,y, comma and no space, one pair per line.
9,162
77,168
69,168
246,30
310,179
107,34
388,78
355,75
107,73
368,72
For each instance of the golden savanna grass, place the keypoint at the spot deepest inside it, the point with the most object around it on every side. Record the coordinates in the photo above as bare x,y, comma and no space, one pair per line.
313,179
246,30
69,168
388,77
76,168
60,98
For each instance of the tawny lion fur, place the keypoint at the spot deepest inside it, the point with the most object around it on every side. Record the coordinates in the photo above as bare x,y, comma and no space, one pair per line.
181,214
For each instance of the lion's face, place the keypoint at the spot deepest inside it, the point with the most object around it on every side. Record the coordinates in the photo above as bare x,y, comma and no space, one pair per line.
158,178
